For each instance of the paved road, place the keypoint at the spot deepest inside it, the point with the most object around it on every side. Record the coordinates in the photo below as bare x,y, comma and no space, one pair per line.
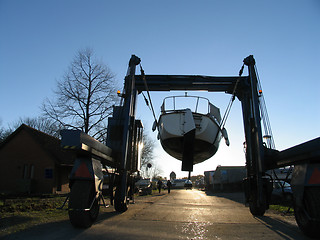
182,214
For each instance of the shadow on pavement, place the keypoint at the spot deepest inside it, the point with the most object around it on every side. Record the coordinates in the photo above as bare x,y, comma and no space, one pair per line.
55,230
42,230
9,221
283,229
233,196
106,215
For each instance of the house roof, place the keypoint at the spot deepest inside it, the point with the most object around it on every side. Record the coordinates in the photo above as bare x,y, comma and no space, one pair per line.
49,144
231,168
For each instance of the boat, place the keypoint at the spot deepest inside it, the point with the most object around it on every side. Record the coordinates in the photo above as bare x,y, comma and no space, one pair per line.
191,134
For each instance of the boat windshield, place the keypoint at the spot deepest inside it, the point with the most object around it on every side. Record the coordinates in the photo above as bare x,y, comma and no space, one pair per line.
194,103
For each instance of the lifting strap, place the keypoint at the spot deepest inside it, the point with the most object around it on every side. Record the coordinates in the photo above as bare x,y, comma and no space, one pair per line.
226,114
148,93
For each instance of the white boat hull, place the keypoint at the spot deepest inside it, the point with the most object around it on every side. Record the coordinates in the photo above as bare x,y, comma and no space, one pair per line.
174,126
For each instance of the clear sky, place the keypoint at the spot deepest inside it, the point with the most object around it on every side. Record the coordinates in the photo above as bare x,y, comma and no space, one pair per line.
38,40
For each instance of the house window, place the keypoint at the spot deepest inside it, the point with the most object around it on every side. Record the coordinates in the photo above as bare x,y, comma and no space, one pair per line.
48,173
25,171
28,171
32,171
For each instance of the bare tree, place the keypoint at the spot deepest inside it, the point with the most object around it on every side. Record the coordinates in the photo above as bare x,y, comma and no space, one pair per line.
147,151
4,132
155,171
84,96
147,157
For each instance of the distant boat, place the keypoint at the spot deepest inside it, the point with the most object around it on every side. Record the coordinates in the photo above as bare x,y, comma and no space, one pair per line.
189,129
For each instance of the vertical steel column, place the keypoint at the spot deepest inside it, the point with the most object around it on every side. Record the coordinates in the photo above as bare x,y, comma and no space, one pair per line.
254,141
256,119
129,105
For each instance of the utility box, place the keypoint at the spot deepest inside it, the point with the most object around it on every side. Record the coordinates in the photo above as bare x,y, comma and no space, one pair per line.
115,131
115,138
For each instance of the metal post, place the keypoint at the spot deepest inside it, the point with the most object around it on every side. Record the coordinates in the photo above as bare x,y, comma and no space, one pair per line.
254,142
130,95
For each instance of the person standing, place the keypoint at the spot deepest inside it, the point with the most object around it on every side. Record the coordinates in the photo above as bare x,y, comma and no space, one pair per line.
159,185
169,184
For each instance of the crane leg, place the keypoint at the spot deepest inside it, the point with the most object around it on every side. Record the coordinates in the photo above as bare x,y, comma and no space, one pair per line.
258,195
122,198
83,204
305,184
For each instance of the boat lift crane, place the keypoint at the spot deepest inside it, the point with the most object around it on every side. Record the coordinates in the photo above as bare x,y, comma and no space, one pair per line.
125,134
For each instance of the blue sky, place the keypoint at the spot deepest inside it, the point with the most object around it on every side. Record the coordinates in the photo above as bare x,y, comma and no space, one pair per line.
39,39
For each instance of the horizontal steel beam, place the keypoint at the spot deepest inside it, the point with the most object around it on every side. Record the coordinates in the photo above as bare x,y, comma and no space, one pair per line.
79,141
308,152
186,82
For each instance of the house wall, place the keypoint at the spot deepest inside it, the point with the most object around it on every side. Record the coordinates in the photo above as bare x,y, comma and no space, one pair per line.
229,178
63,179
208,179
22,152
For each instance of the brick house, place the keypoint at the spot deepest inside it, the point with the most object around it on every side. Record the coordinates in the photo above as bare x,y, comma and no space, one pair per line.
33,162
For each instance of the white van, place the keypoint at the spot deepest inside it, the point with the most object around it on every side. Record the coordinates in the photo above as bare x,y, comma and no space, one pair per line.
178,183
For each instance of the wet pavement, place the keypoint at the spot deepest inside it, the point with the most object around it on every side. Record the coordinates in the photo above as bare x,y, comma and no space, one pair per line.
182,214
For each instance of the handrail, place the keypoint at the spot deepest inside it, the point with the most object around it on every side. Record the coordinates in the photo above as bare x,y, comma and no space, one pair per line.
165,100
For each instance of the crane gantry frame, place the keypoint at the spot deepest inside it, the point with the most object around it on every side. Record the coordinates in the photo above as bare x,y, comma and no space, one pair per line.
125,134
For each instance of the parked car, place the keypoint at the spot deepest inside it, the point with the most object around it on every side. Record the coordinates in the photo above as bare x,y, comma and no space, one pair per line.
281,191
178,183
144,186
188,184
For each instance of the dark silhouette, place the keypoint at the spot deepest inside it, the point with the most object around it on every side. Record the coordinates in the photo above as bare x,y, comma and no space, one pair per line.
159,185
169,184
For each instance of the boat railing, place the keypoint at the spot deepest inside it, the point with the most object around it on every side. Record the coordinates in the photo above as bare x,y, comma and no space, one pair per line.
195,103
